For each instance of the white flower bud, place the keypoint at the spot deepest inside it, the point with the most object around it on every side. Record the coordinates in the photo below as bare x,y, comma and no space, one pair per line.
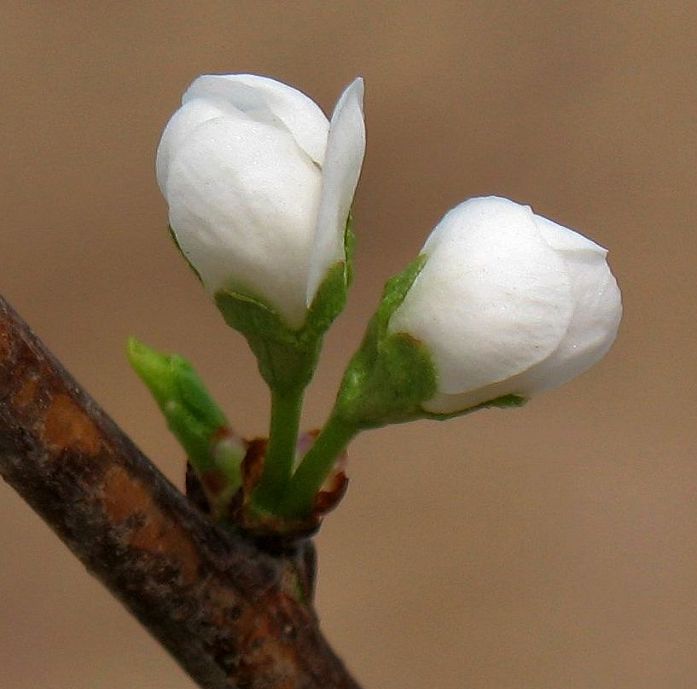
508,302
259,186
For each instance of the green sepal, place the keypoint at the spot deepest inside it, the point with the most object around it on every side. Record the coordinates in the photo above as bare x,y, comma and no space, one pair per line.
391,373
287,357
503,402
173,237
191,413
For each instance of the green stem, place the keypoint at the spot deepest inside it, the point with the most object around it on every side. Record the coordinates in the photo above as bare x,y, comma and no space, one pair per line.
286,408
315,467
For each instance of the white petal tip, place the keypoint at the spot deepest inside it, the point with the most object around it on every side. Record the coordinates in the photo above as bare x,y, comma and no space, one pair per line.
354,92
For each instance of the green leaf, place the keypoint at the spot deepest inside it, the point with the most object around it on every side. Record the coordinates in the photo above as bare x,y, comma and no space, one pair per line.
191,413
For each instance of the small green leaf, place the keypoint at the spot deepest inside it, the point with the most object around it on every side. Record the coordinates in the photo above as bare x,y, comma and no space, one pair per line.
191,413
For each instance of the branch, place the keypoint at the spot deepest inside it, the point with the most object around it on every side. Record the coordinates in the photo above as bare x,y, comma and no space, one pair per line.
232,611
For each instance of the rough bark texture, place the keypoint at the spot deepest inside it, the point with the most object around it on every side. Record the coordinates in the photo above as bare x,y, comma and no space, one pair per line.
232,611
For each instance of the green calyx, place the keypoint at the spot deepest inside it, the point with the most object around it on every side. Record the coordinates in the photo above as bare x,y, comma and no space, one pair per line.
193,417
391,374
287,357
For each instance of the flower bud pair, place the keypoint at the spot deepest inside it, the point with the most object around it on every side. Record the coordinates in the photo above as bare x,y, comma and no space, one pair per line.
260,185
500,304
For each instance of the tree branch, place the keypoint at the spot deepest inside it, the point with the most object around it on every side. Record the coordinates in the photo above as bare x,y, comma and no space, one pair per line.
232,611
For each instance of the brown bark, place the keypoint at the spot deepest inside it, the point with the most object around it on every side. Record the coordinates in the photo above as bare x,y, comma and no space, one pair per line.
234,612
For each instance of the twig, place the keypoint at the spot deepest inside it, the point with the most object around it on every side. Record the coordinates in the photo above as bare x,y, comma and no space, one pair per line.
232,611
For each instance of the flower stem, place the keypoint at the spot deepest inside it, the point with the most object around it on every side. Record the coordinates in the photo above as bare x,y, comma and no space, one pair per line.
286,407
315,467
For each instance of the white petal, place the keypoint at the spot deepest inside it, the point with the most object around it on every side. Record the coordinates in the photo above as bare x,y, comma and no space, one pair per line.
492,300
182,123
591,332
243,205
594,323
267,100
562,238
340,173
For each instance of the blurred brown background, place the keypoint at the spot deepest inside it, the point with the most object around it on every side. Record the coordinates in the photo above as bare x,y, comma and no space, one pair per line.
546,548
